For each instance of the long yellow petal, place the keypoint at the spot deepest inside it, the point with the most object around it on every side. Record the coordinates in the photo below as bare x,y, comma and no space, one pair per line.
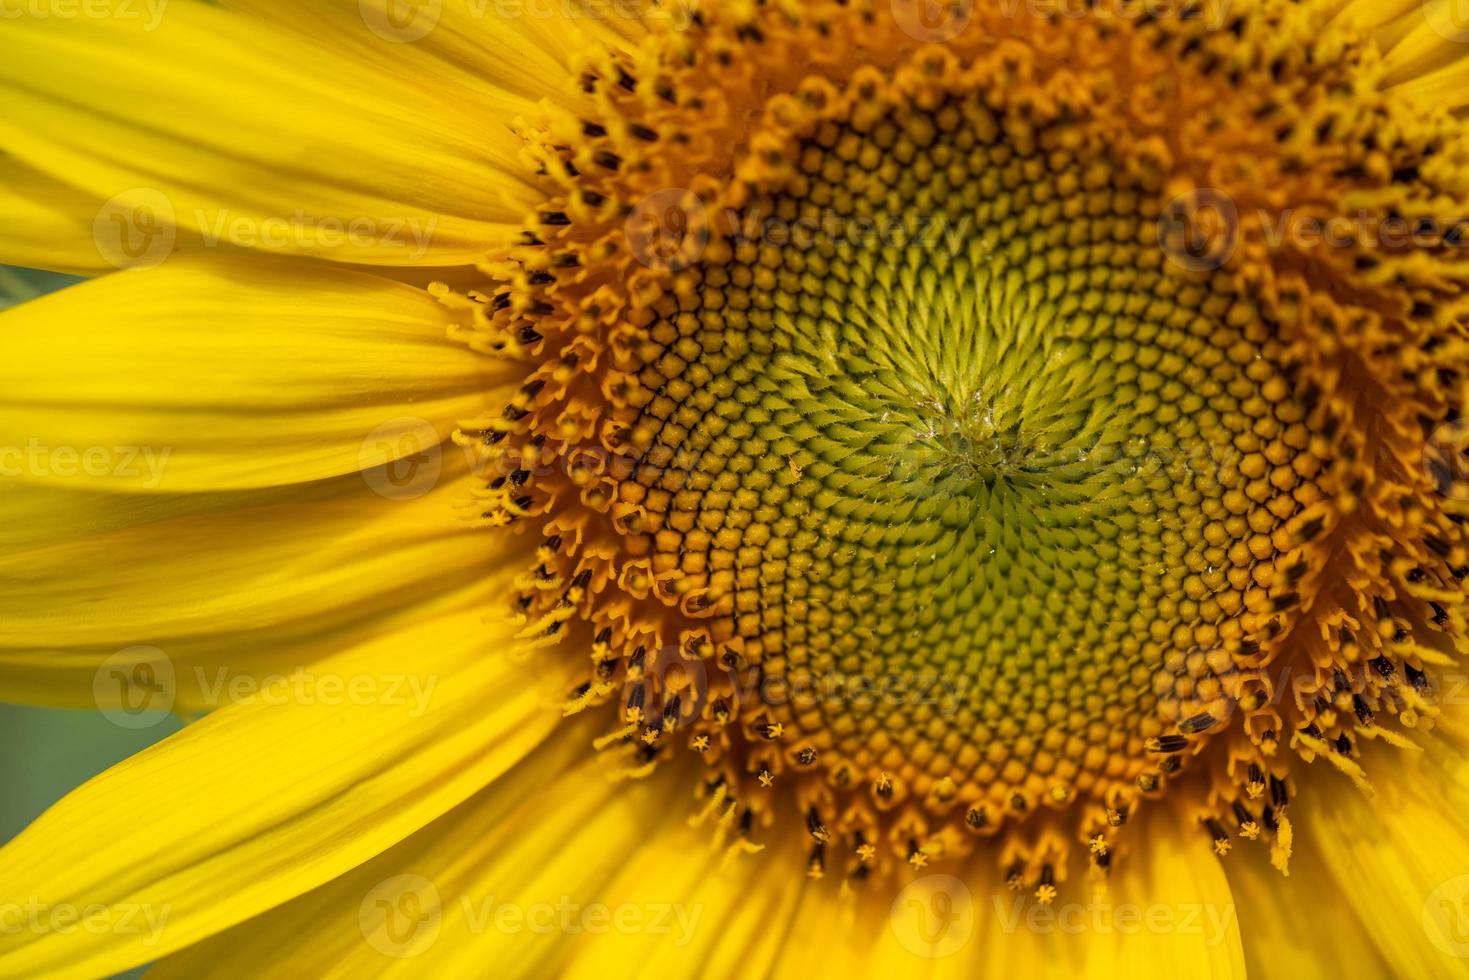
1401,858
526,47
261,802
1168,911
1278,941
200,602
47,224
193,116
506,879
202,375
1432,36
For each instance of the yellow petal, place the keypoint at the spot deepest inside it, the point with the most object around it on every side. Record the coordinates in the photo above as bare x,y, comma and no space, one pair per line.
1447,86
40,513
726,913
261,802
1431,37
203,601
492,882
526,47
241,132
201,375
1189,922
1278,939
1373,14
1167,912
1401,858
48,224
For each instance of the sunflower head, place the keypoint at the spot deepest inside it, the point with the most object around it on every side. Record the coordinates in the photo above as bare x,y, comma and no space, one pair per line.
930,445
944,443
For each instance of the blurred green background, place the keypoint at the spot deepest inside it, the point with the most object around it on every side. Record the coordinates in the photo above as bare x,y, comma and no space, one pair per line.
48,751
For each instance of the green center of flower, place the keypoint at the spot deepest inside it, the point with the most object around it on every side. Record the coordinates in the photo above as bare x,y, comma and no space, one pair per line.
976,482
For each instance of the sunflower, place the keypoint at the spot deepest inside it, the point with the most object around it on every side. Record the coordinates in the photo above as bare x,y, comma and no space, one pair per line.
748,488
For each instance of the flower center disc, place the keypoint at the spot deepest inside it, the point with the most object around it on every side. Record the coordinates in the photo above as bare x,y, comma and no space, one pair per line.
922,437
933,432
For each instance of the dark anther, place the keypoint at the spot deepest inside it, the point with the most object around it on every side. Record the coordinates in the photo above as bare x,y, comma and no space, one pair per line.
1279,795
1361,710
1286,601
815,826
1201,722
1169,743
